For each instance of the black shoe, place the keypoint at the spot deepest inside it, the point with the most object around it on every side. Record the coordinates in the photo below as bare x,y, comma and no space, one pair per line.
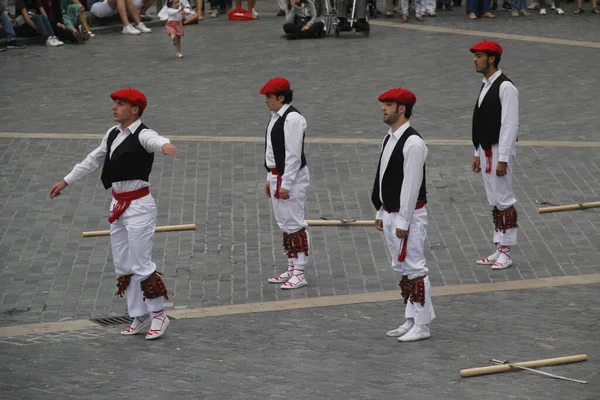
145,18
361,25
13,44
2,49
344,25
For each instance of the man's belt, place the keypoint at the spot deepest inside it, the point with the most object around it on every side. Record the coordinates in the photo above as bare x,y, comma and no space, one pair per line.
124,200
418,207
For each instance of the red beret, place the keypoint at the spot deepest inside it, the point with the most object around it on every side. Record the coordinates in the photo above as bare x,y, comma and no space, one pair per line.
132,96
398,95
487,46
275,85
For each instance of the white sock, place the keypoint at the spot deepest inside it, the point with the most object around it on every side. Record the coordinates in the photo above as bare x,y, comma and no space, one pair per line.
504,252
158,318
137,321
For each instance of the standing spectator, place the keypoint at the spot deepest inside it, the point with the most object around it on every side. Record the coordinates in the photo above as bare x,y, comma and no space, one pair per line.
9,31
520,7
32,20
486,8
108,8
579,9
282,6
71,12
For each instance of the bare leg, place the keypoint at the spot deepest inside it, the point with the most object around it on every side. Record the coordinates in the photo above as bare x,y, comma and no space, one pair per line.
120,6
146,5
133,12
83,22
192,19
178,44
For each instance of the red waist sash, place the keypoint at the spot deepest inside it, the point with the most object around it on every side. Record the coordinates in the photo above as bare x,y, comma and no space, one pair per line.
124,200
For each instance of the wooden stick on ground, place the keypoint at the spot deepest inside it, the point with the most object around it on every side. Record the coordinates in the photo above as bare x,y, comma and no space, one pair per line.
332,222
166,228
532,364
569,207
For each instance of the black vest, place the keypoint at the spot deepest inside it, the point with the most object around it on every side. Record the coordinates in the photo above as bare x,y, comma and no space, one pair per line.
394,176
278,142
128,162
487,118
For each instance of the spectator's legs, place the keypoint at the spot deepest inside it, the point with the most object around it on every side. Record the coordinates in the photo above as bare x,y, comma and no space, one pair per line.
9,31
122,9
146,6
71,16
131,10
84,23
361,9
43,25
405,8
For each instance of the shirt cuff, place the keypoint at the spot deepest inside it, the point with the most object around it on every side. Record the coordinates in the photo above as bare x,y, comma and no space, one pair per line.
476,152
502,158
69,179
379,214
402,224
286,184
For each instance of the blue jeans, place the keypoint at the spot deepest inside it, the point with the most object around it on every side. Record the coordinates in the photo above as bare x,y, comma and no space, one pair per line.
519,4
9,31
474,3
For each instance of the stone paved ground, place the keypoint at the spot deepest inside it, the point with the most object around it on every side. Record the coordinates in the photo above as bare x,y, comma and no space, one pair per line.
323,353
50,273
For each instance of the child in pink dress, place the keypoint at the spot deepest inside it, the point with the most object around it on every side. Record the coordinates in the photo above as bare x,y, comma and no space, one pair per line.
174,12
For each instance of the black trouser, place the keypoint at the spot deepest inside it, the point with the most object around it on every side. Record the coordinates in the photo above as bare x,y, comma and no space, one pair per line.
295,30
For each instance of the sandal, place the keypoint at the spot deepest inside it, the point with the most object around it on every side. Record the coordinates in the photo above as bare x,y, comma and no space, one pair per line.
595,10
578,11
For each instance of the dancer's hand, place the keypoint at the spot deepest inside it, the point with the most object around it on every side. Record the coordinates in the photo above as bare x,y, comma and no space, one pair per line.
501,168
401,234
284,194
305,28
476,164
55,190
168,148
268,189
379,225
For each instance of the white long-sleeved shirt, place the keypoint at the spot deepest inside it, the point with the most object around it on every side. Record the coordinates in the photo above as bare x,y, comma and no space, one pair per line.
509,98
415,154
173,14
293,130
151,141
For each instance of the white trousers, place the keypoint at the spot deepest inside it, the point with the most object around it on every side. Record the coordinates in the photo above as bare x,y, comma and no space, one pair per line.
131,238
430,5
414,265
420,8
499,192
290,213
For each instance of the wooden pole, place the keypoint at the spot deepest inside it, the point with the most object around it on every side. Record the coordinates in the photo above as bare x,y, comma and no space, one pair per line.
166,228
493,369
569,207
331,222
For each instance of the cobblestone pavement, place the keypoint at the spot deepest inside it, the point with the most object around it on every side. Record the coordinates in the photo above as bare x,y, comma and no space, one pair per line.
50,273
324,353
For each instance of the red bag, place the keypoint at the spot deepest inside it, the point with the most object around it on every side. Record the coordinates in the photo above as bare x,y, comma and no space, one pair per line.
239,14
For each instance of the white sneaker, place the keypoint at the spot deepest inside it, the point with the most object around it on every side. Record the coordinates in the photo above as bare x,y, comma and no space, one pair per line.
179,55
143,28
543,11
57,41
417,332
402,329
552,5
255,13
214,13
130,30
560,11
50,42
296,282
281,278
